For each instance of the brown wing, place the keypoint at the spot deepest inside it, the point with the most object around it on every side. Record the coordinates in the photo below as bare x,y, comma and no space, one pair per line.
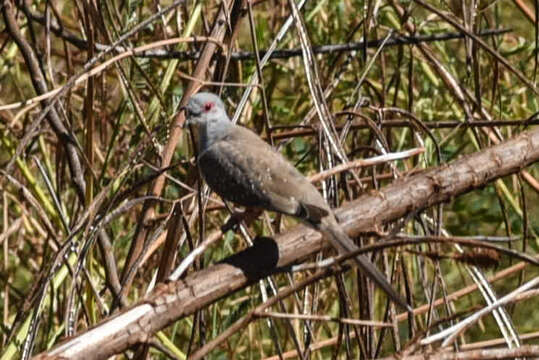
244,169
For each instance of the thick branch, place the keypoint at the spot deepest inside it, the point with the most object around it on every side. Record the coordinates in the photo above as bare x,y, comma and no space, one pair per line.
182,298
482,354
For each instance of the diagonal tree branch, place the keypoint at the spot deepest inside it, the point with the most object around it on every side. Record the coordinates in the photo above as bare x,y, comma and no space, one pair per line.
179,299
137,245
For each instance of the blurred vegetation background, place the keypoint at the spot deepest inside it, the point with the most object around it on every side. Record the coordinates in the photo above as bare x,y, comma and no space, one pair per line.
416,92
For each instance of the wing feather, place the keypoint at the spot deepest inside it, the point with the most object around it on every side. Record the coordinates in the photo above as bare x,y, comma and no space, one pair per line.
244,169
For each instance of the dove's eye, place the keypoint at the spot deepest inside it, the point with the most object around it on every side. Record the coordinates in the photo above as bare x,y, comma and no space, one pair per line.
208,106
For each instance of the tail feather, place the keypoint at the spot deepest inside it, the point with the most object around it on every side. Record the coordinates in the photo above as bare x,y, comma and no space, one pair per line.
340,240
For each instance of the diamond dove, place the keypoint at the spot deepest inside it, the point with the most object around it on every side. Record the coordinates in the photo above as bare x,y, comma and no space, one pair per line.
240,167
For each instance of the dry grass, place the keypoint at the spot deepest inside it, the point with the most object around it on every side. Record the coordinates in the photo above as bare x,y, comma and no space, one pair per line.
66,233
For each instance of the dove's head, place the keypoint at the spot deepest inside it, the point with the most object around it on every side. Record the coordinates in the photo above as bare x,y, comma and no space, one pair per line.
204,108
206,112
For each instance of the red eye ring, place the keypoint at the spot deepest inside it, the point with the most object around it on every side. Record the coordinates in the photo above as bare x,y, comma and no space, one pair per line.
208,106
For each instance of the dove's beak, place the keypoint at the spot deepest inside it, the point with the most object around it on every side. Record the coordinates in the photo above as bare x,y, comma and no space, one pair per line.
192,114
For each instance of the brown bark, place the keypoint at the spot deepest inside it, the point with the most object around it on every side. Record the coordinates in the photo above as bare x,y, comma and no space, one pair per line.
483,354
179,299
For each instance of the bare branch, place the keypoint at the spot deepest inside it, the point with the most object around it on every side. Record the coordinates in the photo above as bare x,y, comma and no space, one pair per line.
179,299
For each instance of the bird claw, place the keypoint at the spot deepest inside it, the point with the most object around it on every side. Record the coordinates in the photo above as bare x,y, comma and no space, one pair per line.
232,224
236,218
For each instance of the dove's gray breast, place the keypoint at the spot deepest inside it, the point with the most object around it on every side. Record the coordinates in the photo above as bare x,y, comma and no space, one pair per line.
229,173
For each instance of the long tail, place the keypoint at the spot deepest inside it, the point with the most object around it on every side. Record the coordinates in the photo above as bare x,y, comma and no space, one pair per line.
340,240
